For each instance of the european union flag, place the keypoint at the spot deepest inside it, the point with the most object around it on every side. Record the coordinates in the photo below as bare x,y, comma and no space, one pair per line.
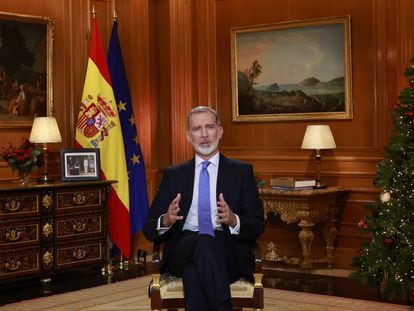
138,199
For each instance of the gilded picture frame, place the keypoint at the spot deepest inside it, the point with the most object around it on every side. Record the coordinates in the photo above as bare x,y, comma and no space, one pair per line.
297,70
26,68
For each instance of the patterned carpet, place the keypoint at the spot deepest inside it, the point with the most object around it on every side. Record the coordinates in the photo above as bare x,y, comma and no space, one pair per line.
132,295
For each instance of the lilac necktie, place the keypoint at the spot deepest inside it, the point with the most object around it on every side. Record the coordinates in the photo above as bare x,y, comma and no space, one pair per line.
205,225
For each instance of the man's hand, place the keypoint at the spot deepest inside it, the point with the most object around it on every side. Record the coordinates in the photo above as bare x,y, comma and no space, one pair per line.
171,217
224,213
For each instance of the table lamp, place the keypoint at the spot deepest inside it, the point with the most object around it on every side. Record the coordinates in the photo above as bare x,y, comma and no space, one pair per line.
318,137
45,130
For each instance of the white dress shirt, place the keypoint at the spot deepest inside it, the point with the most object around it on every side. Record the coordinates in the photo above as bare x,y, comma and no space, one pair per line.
191,222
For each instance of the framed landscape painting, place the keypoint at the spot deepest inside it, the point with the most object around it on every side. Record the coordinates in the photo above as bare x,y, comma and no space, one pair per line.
299,70
26,58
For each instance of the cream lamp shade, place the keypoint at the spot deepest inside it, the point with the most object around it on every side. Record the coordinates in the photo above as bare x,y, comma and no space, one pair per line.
318,137
45,130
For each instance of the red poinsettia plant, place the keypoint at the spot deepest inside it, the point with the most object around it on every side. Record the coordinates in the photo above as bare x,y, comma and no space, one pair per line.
21,158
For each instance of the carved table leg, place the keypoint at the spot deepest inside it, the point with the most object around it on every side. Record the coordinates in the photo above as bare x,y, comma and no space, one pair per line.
329,234
305,237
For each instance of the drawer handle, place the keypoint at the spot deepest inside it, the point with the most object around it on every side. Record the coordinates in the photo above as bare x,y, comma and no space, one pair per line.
12,205
13,265
79,253
13,235
79,198
79,226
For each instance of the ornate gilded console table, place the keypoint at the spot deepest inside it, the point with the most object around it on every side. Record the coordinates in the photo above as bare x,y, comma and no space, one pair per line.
306,208
51,228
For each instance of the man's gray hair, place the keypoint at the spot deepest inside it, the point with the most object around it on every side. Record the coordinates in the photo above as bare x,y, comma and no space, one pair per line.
201,109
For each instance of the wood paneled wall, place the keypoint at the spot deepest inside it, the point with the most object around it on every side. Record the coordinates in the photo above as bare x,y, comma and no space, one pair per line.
177,55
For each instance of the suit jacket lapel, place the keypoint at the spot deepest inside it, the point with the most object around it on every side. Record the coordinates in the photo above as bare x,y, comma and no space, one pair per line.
224,178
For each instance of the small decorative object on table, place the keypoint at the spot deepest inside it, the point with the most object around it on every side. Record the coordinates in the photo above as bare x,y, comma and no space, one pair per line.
292,183
260,182
21,158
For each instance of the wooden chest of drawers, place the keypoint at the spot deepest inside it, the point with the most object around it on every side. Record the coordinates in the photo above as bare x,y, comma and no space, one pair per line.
51,228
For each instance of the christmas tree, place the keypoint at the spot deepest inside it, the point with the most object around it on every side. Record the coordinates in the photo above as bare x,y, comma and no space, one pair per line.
387,262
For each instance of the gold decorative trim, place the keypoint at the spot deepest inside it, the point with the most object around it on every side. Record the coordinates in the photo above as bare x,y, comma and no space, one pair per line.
47,229
258,280
49,38
156,280
47,201
47,258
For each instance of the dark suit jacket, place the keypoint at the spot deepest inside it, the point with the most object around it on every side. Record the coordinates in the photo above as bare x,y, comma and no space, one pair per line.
237,183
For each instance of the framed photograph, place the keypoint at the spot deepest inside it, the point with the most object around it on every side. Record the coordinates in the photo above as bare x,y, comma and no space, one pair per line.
80,164
299,70
26,77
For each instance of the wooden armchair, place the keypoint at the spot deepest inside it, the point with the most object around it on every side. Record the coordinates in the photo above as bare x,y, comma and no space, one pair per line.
166,291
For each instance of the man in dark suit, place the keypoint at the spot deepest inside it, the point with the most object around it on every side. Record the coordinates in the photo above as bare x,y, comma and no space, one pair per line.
208,258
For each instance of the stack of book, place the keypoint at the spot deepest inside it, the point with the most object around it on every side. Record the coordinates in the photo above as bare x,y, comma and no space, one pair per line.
292,183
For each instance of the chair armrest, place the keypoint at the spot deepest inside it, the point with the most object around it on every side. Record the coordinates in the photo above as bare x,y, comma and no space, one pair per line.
156,257
154,286
257,257
258,275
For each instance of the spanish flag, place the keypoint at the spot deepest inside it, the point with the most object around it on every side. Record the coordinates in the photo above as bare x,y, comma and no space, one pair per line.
99,126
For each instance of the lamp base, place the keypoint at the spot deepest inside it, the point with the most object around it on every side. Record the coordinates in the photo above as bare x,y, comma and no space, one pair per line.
319,185
45,179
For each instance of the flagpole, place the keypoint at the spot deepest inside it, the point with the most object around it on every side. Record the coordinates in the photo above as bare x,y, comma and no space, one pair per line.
123,264
108,268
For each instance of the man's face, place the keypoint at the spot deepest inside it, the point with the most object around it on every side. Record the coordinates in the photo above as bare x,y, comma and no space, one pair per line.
204,134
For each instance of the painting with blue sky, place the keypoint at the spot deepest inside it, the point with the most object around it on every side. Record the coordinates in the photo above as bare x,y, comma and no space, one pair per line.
291,70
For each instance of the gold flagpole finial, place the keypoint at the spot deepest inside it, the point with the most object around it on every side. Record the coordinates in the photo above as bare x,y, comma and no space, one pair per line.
115,16
93,11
